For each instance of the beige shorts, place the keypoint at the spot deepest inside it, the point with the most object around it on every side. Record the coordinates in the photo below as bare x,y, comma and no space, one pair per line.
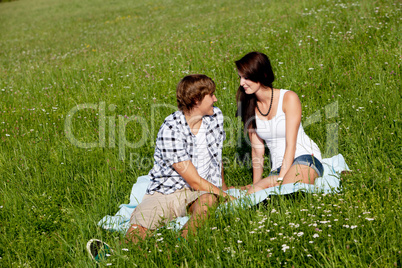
159,209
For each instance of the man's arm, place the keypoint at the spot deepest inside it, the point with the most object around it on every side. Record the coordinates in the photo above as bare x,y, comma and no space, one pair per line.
187,170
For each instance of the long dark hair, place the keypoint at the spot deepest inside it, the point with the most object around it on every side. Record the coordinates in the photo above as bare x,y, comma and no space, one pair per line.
256,67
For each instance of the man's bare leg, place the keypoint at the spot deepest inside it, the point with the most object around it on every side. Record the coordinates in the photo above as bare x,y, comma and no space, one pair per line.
199,211
135,233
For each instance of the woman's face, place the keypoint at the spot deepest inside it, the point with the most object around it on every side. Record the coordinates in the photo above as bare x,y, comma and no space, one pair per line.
250,87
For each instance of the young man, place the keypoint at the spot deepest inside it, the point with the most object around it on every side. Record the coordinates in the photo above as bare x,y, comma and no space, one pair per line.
187,174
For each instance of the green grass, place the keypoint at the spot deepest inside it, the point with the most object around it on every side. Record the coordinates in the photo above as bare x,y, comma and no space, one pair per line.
125,59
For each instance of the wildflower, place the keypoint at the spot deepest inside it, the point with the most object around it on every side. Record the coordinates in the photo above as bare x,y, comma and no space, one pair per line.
124,249
239,241
300,234
315,236
285,247
370,219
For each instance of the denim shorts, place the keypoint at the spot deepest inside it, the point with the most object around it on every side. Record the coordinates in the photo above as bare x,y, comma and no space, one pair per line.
305,160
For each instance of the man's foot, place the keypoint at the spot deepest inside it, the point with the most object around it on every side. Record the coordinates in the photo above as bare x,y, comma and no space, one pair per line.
98,250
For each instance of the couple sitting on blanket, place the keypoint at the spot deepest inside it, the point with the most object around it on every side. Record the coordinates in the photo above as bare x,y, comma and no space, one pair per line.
187,175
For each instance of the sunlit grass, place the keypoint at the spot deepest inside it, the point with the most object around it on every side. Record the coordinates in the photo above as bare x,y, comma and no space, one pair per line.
124,60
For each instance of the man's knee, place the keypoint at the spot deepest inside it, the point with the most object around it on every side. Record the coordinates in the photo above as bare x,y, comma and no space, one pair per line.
208,200
203,204
136,232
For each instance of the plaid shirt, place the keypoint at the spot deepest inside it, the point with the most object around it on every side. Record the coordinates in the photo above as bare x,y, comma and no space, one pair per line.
176,143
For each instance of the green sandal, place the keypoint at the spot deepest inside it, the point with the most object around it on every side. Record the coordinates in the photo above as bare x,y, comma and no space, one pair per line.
98,250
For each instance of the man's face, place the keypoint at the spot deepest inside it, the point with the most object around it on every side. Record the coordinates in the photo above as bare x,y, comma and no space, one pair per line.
206,106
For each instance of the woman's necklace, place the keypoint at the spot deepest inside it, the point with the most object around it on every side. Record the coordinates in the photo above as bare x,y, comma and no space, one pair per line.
270,105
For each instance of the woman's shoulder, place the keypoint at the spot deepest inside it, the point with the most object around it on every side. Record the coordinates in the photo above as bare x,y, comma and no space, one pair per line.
289,95
290,99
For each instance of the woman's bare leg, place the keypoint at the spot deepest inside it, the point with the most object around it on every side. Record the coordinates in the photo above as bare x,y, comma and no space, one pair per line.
296,173
267,182
300,173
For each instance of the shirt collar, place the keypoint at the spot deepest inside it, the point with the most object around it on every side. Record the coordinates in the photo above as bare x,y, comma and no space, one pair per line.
207,119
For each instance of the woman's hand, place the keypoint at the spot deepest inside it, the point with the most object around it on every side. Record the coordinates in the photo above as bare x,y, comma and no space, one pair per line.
246,187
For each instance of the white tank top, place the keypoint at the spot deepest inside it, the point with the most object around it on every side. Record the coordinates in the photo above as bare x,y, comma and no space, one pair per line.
273,132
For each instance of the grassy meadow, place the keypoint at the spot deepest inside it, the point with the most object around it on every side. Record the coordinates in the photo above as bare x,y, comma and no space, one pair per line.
62,169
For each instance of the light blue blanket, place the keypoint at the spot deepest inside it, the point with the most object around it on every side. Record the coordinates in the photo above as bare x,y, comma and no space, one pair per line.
328,183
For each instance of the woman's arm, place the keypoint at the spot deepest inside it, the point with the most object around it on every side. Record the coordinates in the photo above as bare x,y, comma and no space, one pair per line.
224,186
257,155
292,109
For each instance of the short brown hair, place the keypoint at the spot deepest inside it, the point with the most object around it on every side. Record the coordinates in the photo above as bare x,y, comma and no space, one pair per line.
191,89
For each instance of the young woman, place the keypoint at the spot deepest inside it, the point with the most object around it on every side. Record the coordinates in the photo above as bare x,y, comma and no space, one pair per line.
273,116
